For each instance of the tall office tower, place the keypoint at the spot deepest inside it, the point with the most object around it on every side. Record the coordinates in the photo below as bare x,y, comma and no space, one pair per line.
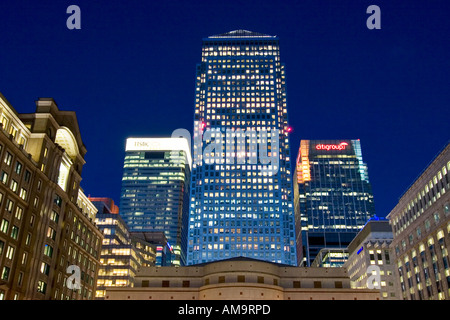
46,221
241,191
333,196
421,227
155,190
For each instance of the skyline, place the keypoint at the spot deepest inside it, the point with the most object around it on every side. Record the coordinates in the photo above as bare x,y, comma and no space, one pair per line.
372,72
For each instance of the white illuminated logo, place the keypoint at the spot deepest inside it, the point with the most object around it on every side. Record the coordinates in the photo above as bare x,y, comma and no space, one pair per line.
159,144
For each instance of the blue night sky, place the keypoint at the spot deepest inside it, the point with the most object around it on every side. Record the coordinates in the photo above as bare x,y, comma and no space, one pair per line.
130,71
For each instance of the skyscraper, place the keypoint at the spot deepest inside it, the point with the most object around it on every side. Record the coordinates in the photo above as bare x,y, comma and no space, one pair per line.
241,189
333,195
155,190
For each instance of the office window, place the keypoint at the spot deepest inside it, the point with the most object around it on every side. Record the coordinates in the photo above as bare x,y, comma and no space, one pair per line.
296,284
8,158
48,250
51,233
58,200
14,185
4,226
338,284
23,194
186,284
4,177
165,283
317,284
10,253
14,232
27,176
19,279
54,216
28,239
436,217
9,205
45,268
240,278
42,287
5,273
18,168
19,213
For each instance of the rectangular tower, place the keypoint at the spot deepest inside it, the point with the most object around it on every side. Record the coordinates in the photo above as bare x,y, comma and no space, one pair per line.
241,189
155,190
333,196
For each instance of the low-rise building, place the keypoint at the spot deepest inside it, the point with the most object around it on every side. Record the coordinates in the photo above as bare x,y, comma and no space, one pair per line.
369,249
241,279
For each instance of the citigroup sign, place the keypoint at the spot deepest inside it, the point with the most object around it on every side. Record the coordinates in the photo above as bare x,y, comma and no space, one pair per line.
328,147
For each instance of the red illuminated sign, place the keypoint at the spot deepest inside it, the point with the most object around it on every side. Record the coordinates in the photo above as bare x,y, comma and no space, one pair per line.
327,147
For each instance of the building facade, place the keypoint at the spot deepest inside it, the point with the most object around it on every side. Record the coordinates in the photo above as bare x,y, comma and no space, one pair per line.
333,196
122,254
421,226
241,189
155,190
46,222
241,279
330,258
372,247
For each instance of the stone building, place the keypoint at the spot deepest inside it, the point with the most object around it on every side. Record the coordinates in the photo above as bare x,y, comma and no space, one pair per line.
421,226
46,221
241,279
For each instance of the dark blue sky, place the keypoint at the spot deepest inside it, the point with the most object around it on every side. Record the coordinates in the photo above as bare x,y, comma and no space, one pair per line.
130,71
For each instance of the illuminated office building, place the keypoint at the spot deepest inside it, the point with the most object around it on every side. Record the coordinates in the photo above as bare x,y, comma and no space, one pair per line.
421,226
330,258
46,221
122,255
241,204
372,248
333,196
155,190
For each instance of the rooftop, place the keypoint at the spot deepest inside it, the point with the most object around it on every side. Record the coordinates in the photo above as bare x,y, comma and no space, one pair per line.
241,34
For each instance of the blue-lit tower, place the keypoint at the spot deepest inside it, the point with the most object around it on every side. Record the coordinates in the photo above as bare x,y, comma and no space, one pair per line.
237,208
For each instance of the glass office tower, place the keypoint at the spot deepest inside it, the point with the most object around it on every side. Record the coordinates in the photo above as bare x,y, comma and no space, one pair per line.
333,196
155,190
241,204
